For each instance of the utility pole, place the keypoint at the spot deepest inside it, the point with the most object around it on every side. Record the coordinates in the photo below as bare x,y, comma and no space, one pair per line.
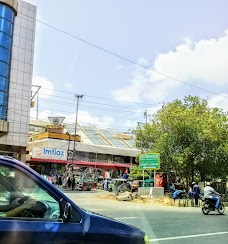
36,93
75,128
145,115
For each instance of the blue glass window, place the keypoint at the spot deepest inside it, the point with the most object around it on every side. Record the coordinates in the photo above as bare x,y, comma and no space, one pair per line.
4,84
6,32
5,55
3,112
3,98
6,26
5,40
6,12
4,69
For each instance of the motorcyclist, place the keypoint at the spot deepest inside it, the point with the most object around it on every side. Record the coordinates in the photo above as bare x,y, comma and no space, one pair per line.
210,193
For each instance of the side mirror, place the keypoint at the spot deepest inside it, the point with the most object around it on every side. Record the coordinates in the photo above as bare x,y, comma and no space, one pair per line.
67,212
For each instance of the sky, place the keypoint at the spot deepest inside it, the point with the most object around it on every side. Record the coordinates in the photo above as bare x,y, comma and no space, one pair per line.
128,57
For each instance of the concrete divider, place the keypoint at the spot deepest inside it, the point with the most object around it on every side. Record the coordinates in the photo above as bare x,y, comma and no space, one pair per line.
186,203
144,191
156,192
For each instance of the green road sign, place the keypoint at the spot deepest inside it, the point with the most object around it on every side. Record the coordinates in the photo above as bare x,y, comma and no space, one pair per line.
149,161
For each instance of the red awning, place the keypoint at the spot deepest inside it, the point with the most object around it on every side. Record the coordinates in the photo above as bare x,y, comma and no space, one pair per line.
82,163
47,160
102,165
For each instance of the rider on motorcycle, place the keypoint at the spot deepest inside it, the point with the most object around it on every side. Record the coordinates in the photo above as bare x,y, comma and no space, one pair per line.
209,192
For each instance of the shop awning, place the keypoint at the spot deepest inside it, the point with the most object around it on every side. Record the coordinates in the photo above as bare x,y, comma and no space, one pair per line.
100,165
47,160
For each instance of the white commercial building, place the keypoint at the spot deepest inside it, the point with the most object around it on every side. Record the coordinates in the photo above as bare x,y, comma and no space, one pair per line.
51,148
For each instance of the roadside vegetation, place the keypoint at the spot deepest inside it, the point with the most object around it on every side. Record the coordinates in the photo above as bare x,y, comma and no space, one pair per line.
191,137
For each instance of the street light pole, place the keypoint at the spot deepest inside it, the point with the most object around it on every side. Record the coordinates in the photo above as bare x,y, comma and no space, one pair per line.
145,115
75,128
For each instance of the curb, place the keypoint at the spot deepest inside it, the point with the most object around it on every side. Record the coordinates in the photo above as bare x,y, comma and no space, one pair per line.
190,203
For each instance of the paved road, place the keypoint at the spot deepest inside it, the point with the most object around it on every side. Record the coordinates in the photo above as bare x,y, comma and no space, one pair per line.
162,224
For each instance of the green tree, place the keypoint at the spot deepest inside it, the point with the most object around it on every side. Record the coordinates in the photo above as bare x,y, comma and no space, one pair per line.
137,174
191,138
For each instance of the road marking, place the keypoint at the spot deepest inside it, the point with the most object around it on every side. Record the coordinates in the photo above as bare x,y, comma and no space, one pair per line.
189,236
127,218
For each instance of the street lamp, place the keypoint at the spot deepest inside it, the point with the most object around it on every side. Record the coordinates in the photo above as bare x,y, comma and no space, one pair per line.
75,128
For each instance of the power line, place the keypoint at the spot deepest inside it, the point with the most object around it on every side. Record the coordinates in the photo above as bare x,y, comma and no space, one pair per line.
127,59
68,98
122,57
93,107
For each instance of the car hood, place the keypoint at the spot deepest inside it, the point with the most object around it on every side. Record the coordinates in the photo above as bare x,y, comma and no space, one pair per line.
108,230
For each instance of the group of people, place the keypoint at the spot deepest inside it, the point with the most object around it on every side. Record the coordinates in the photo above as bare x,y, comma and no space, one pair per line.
195,192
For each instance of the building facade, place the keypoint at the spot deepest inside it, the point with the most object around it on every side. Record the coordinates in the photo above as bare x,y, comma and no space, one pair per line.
51,149
17,35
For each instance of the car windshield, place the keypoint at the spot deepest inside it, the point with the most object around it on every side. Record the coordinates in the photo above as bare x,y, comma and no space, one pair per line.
123,107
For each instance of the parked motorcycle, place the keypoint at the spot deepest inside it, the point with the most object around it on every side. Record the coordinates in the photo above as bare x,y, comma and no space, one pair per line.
209,205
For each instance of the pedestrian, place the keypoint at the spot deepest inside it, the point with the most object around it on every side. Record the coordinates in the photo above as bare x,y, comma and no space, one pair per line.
105,184
196,193
190,192
178,194
172,187
69,182
72,182
60,180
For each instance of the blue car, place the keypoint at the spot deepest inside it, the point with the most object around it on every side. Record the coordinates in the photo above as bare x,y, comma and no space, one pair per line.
34,211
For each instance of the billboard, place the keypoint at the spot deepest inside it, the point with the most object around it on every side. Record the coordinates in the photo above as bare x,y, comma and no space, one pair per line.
49,153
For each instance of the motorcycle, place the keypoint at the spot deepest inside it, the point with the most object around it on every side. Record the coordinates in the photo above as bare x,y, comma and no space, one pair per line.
209,205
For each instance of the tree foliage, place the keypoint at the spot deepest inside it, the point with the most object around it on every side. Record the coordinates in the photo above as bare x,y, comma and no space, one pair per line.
137,174
191,137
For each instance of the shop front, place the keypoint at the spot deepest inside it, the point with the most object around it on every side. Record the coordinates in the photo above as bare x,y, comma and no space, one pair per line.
50,162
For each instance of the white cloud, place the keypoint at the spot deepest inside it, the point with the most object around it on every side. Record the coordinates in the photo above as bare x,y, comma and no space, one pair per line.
47,87
42,115
69,86
202,64
219,101
85,117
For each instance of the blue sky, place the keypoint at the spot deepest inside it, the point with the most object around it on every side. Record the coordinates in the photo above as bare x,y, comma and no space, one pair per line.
187,40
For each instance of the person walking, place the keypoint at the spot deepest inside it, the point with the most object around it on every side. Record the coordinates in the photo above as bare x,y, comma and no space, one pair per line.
105,184
196,193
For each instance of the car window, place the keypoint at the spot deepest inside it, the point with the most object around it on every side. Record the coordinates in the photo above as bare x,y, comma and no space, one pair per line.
21,196
4,196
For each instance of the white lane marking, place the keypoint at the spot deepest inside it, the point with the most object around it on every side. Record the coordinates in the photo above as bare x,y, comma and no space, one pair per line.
127,218
190,236
96,209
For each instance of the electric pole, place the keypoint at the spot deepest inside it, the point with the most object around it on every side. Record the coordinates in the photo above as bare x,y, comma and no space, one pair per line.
77,96
145,115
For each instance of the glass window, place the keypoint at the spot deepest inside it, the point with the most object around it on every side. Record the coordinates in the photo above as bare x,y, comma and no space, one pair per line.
4,84
5,55
3,112
3,98
5,40
6,26
6,12
4,69
20,196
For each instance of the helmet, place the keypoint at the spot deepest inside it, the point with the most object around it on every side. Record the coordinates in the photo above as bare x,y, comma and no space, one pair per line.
208,183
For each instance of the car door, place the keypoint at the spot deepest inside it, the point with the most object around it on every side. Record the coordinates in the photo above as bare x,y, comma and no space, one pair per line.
48,219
